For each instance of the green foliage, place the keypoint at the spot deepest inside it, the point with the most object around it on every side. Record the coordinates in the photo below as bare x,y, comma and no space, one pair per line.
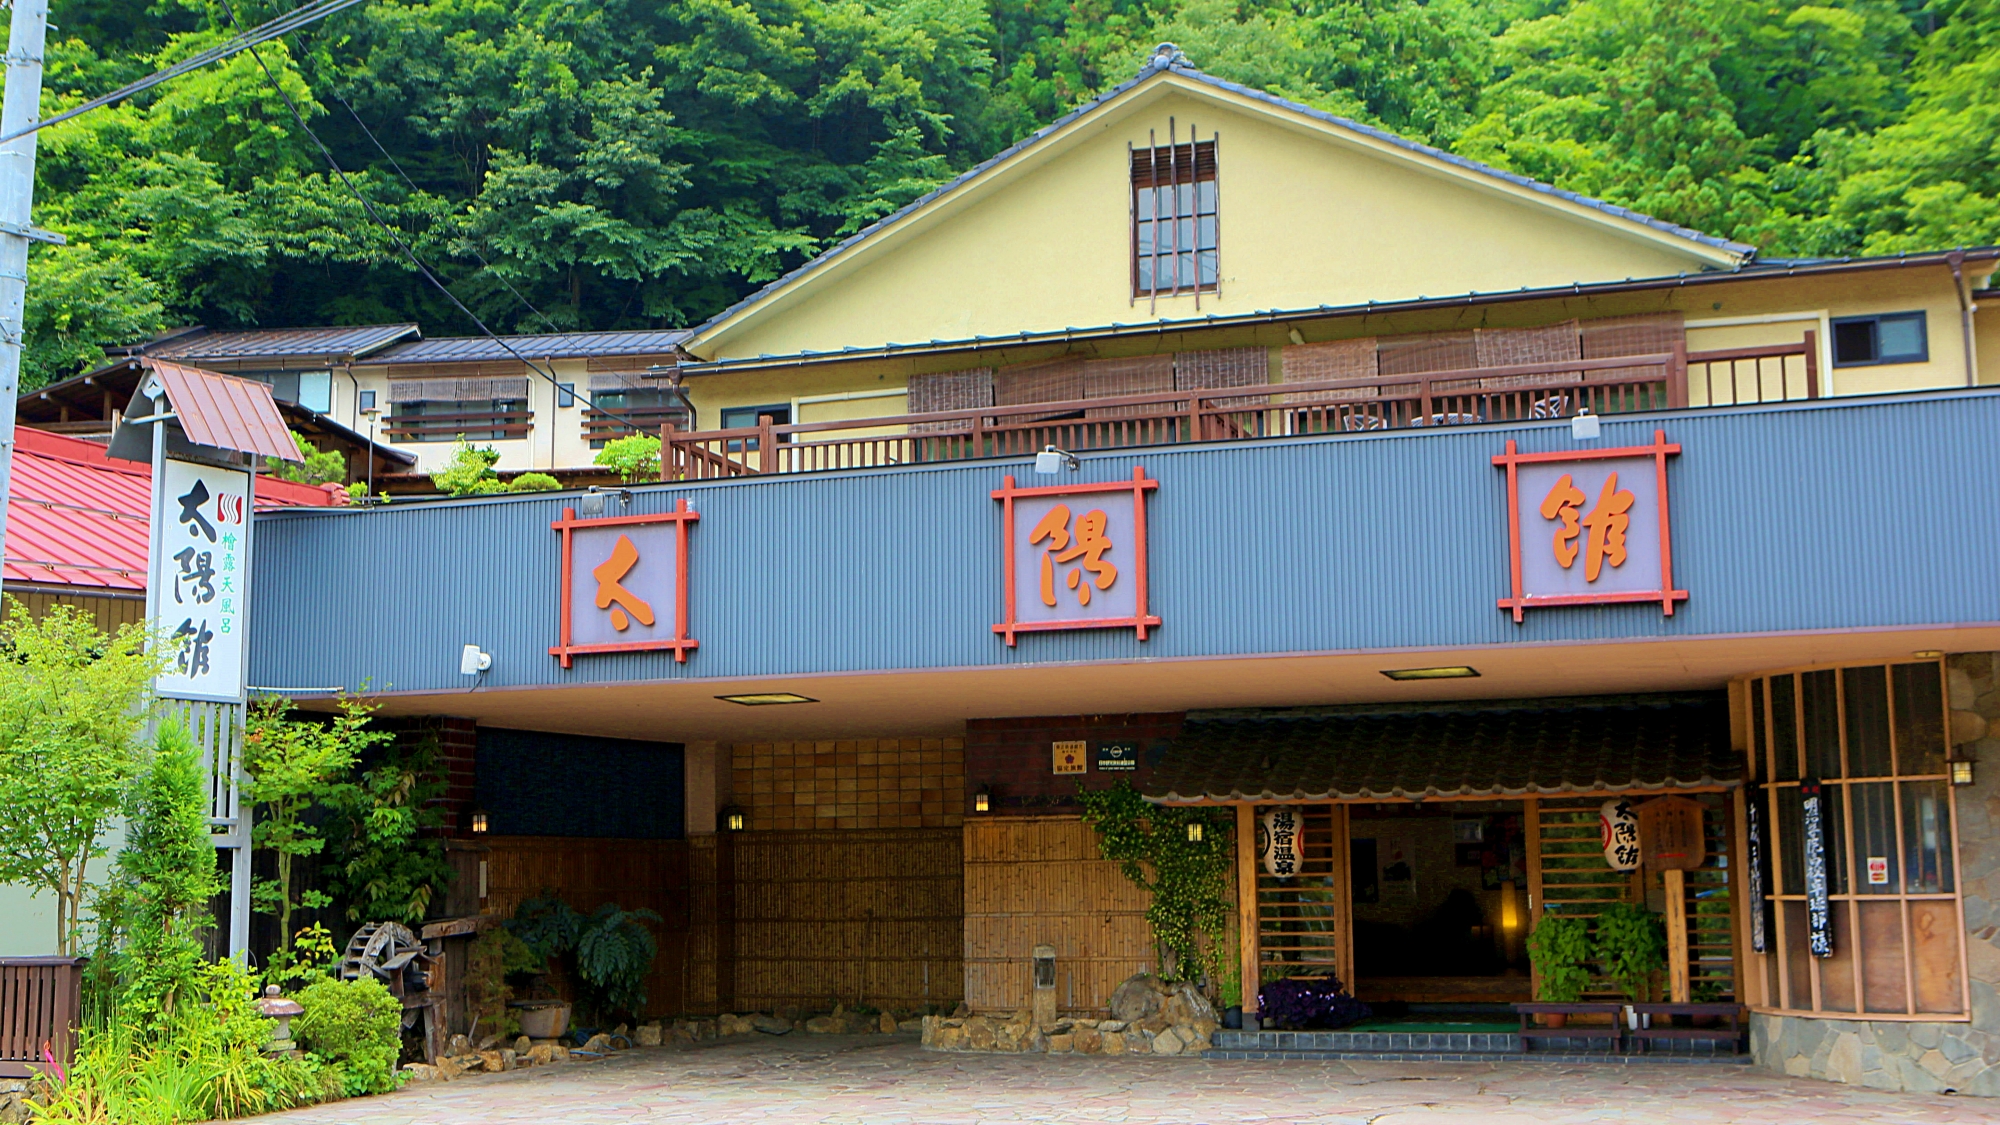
166,877
388,862
1559,948
611,950
71,701
533,482
355,1029
313,467
469,472
291,765
1631,943
546,925
494,960
1187,879
635,456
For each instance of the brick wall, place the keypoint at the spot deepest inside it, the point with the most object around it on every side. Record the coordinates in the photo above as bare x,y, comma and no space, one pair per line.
1014,758
458,747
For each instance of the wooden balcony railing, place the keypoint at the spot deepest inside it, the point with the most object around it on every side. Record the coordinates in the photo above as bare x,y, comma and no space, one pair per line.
40,1005
1743,376
489,426
1514,392
624,421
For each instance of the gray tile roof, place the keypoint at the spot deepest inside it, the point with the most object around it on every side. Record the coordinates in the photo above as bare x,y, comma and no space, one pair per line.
339,344
550,345
1510,748
1169,59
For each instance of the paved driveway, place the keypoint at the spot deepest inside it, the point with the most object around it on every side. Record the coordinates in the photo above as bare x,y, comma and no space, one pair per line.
890,1081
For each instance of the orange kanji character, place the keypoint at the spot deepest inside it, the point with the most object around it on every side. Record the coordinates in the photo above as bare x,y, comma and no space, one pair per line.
1563,501
1090,546
1607,523
610,575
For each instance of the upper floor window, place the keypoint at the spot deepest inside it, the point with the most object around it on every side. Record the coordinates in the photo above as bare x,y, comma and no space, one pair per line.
449,420
1174,219
640,410
310,389
1887,338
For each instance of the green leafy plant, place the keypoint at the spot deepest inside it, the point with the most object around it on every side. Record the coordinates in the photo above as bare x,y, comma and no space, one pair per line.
354,1027
290,765
534,482
1631,943
636,457
469,472
72,700
165,877
546,925
388,860
494,962
313,466
1559,949
1187,879
611,950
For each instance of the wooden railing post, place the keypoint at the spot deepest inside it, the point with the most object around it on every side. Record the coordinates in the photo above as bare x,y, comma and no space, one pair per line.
1424,391
667,453
1250,961
767,448
1194,419
1677,375
1812,363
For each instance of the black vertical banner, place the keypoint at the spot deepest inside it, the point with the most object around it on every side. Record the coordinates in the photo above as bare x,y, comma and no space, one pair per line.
1756,872
1819,917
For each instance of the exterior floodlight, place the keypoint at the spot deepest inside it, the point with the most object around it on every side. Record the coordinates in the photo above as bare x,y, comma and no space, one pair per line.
471,661
1051,461
1583,427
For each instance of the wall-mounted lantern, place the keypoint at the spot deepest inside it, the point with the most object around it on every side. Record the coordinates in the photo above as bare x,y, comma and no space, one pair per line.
1961,771
479,822
1194,832
982,800
733,819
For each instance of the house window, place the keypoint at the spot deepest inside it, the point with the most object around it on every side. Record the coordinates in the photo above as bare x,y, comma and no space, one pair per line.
745,417
1866,745
366,402
1859,341
310,389
1174,219
472,419
638,410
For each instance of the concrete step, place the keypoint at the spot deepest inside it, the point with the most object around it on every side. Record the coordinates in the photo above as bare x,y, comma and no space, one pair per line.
1438,1046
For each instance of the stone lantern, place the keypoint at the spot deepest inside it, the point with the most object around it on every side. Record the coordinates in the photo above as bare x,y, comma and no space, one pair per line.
275,1007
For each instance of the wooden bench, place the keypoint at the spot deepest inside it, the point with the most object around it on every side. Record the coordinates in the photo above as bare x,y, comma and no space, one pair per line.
1527,1011
1733,1033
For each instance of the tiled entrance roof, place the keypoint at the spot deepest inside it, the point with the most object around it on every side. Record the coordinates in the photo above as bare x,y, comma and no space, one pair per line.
1512,748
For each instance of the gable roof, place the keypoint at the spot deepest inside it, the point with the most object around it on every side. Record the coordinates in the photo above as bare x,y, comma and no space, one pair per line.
1167,61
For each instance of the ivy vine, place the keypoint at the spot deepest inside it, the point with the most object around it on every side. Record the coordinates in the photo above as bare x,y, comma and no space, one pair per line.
1188,879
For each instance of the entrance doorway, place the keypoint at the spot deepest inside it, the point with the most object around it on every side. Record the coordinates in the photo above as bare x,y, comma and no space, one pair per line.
1438,902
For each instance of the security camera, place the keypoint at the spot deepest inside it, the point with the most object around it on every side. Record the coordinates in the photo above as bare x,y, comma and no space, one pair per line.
472,661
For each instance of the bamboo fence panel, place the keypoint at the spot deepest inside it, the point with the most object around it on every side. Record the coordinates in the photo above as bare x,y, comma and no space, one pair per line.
1040,881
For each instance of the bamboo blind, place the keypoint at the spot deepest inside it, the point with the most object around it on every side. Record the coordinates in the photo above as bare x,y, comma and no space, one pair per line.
1040,880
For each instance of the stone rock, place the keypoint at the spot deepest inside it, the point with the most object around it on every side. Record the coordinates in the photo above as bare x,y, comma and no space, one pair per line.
1061,1044
599,1044
826,1025
886,1024
508,1059
732,1024
622,1030
488,1042
541,1054
1186,1004
523,1045
420,1072
649,1035
979,1035
1167,1043
458,1045
558,1053
1084,1022
491,1063
916,1024
1966,726
1139,996
447,1067
1087,1041
961,1011
770,1025
1111,1025
1114,1042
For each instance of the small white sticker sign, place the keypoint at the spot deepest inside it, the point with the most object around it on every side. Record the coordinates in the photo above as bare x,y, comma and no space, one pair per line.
1878,870
200,577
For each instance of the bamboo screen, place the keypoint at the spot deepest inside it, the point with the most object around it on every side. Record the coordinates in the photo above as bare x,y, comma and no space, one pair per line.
1039,880
864,783
1575,881
1299,918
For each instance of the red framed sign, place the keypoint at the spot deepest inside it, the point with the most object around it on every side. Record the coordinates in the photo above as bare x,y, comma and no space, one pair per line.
624,584
1073,556
1590,527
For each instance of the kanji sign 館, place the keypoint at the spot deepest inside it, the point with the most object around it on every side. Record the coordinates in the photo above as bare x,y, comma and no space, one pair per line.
200,559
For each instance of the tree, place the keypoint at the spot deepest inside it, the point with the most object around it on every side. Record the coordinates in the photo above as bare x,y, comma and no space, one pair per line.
635,456
166,877
312,467
290,765
469,472
72,700
388,864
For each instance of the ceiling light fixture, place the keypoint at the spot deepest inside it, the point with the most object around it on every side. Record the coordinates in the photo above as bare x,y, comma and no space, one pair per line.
1928,654
767,698
1452,672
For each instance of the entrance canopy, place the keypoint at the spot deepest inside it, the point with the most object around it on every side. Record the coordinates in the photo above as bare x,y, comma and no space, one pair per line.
1476,749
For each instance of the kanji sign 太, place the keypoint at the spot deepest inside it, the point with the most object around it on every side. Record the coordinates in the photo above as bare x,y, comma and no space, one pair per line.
1588,526
624,584
200,576
1074,556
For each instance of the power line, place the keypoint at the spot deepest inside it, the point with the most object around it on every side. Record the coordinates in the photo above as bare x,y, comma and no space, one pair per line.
291,21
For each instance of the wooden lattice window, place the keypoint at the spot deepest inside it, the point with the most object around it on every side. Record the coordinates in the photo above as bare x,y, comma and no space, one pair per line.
1866,745
1302,919
1174,218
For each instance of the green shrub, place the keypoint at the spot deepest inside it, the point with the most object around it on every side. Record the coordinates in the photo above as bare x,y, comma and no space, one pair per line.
1631,944
612,951
1558,948
354,1028
534,482
166,875
635,457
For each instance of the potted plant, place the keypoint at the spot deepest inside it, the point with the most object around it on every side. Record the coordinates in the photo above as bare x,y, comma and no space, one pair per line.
1559,948
1631,944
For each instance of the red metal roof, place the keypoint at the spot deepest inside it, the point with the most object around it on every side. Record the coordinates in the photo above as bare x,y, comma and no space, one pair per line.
77,517
223,411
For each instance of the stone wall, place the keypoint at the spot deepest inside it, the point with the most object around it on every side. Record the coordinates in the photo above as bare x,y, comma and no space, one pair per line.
1924,1056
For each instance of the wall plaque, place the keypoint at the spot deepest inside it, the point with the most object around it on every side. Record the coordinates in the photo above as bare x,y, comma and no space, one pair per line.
1073,556
1072,757
1670,834
1819,914
623,585
1117,757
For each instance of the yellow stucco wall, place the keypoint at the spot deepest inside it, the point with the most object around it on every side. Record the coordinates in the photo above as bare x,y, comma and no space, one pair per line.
1309,214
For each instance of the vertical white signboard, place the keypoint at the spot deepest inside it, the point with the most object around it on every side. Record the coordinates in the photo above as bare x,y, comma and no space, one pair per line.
200,577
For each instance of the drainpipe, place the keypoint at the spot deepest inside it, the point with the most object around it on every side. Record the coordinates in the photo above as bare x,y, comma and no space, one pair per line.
1956,259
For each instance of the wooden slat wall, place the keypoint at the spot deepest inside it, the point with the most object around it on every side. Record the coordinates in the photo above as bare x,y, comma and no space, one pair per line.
1040,880
109,613
1304,923
851,916
590,872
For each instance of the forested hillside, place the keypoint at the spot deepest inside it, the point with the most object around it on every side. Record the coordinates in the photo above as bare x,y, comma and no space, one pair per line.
644,162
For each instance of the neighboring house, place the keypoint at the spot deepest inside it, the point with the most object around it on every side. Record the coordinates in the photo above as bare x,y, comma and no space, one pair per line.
76,535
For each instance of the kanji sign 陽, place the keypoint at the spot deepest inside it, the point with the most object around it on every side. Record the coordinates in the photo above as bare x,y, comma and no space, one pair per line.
199,576
1074,556
624,584
1589,526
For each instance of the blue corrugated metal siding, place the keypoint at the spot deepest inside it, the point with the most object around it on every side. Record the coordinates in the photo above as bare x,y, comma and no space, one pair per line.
1852,514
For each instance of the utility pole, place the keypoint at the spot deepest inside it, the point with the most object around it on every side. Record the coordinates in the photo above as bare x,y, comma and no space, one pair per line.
22,107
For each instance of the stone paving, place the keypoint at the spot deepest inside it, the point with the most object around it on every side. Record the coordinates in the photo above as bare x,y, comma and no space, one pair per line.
877,1080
